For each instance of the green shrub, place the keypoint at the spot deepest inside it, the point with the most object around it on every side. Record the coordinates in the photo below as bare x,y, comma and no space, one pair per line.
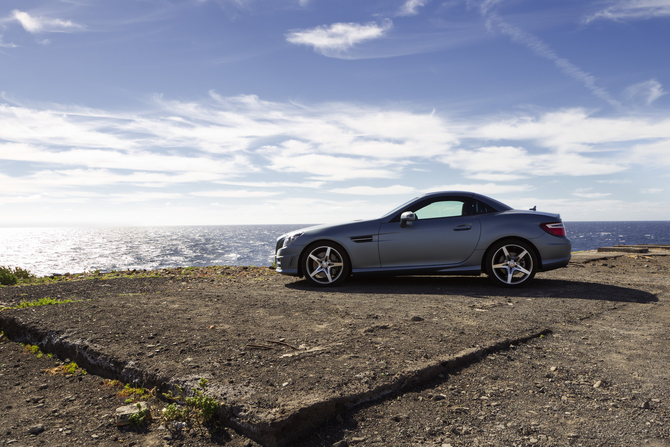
7,278
10,276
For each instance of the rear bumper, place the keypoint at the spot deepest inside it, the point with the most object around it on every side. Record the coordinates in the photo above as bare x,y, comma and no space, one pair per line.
555,252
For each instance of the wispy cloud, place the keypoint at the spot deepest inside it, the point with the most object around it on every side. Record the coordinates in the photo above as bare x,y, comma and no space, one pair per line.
586,194
37,25
238,193
632,10
196,147
494,189
338,38
488,10
6,45
411,7
645,92
394,190
543,50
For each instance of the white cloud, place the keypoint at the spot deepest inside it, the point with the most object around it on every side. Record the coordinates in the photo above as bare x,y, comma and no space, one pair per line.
325,167
376,191
260,149
647,92
584,193
137,161
493,189
656,154
632,10
575,129
410,7
37,25
651,190
6,45
492,161
241,193
339,37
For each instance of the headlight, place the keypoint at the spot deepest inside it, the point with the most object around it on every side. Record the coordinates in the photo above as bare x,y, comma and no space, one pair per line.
288,240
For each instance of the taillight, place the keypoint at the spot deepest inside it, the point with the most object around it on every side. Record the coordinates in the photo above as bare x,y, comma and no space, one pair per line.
555,228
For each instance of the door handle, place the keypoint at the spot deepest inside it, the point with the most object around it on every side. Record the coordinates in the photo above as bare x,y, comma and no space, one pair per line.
463,227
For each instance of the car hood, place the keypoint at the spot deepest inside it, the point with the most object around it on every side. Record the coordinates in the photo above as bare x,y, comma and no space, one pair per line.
341,227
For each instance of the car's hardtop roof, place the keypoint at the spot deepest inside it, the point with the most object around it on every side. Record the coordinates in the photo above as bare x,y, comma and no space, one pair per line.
494,203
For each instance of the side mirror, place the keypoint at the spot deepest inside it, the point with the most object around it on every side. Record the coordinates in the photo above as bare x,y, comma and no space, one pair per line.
407,217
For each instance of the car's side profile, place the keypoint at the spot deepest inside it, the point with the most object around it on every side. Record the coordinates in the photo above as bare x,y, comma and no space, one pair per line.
440,233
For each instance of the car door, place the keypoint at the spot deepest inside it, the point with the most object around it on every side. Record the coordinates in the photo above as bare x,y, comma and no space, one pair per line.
444,232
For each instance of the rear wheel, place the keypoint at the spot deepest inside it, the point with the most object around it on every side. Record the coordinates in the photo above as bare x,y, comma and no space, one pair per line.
511,263
326,264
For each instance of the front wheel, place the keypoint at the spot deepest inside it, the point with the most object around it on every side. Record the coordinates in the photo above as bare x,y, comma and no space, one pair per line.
326,264
511,263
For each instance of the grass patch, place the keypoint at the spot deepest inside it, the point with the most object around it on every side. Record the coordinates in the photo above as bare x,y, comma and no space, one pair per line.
67,369
41,302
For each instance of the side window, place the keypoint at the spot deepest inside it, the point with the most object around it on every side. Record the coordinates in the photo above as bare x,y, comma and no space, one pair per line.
482,208
442,209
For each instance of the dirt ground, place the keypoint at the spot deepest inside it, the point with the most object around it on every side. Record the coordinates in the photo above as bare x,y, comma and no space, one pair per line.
578,357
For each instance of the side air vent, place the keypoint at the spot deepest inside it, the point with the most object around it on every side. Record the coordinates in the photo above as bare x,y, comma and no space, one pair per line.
361,239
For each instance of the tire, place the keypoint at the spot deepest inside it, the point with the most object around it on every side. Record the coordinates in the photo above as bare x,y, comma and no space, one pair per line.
511,263
326,264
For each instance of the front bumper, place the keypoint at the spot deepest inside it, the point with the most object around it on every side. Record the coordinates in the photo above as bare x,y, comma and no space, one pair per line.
287,261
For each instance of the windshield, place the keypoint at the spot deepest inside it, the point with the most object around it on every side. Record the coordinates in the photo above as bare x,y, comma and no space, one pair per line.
395,210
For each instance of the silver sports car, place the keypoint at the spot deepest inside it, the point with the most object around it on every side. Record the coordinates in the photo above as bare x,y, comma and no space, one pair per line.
441,233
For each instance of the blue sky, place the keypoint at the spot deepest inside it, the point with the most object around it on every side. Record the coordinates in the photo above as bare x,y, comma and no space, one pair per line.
214,112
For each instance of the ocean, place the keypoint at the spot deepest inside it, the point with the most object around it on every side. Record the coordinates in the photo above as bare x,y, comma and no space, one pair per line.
45,251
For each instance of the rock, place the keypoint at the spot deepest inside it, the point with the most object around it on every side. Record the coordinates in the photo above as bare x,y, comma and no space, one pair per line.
597,384
122,415
357,440
416,318
36,430
645,406
439,397
340,444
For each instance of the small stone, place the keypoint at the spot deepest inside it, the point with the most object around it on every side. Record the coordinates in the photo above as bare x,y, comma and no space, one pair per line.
357,440
572,435
597,384
36,430
122,416
645,406
95,436
416,318
553,368
340,444
439,397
